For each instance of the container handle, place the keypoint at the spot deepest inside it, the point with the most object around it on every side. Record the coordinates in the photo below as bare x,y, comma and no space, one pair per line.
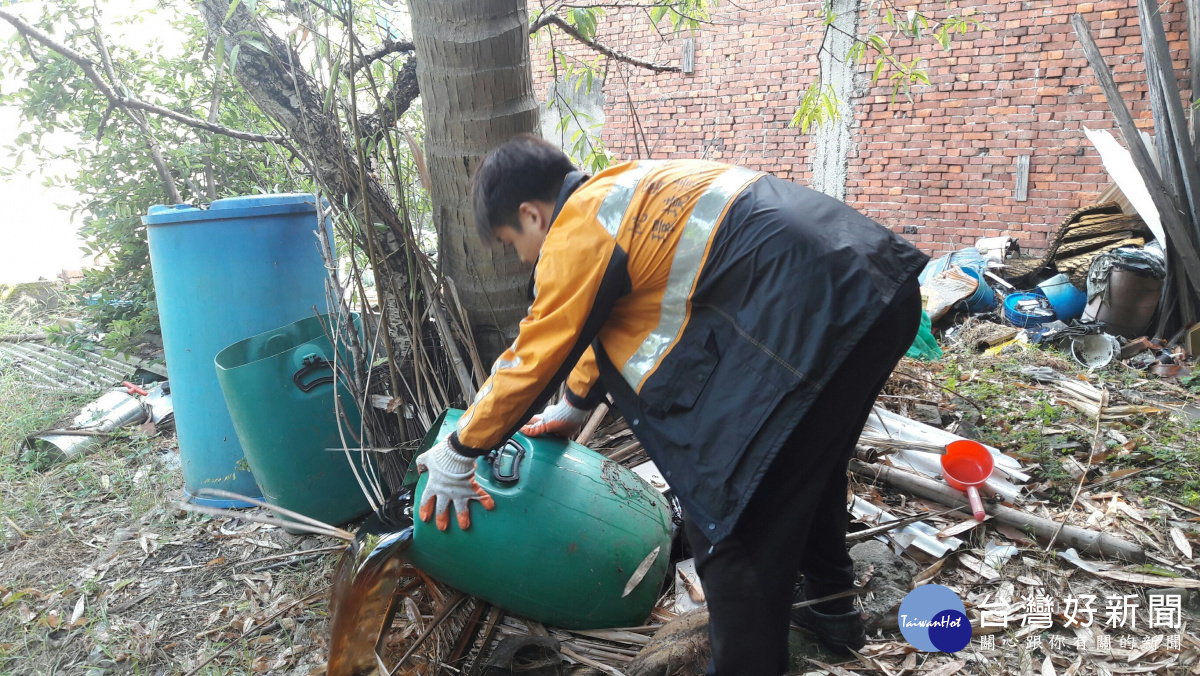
312,363
512,475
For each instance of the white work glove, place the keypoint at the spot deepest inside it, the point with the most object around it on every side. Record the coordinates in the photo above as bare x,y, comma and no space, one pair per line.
562,419
451,480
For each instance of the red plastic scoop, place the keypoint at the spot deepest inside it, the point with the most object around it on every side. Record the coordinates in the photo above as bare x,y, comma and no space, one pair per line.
965,466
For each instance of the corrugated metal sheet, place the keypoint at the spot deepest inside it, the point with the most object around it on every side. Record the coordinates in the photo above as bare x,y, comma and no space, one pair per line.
53,367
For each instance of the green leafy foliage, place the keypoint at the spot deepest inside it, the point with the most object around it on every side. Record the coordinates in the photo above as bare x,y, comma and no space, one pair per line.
820,104
585,19
579,132
69,132
681,14
584,144
1191,381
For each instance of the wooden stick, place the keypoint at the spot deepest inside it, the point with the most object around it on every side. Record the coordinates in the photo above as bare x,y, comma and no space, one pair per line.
1096,447
14,526
304,558
593,423
468,633
1176,230
1176,505
286,555
857,591
588,661
892,525
213,511
1082,539
488,632
278,510
625,451
444,612
1154,39
443,327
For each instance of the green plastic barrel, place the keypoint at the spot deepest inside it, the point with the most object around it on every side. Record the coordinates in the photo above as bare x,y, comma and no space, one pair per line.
279,389
568,534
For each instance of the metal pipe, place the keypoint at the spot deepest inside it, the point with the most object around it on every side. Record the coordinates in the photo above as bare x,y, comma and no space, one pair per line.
1084,540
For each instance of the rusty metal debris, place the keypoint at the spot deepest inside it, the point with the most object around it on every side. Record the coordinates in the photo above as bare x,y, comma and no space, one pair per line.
115,409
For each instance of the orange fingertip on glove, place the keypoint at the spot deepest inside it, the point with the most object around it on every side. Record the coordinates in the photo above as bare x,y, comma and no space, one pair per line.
451,482
562,419
429,506
536,428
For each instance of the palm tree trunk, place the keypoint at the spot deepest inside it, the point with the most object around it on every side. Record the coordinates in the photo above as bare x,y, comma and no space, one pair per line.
476,87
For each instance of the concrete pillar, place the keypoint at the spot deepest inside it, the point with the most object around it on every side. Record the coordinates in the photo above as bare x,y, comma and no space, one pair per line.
831,151
582,109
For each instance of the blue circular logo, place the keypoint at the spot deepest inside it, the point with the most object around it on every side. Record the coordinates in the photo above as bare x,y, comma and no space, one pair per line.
933,618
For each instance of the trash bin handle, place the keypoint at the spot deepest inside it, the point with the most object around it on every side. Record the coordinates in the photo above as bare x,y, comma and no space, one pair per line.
513,475
312,363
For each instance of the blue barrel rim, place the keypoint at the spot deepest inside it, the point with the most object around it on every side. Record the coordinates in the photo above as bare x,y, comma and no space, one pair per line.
983,299
232,208
219,503
1063,295
1020,319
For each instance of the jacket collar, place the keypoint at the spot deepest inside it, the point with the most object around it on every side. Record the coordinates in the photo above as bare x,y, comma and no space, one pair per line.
571,183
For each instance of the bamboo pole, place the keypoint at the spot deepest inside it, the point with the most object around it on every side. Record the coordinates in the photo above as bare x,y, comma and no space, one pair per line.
1085,541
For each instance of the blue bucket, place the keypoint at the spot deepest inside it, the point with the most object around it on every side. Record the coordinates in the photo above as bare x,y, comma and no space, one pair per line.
984,298
1066,300
1021,319
243,266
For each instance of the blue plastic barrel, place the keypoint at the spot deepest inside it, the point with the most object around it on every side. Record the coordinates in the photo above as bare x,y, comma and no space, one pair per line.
1067,301
243,266
984,298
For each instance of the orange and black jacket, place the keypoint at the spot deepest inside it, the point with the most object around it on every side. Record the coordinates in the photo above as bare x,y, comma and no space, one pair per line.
710,301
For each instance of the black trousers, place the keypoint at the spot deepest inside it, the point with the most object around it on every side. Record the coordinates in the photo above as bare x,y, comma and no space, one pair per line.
796,520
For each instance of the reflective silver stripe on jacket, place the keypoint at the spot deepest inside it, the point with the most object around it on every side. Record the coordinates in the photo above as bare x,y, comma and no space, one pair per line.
689,254
611,214
500,365
616,202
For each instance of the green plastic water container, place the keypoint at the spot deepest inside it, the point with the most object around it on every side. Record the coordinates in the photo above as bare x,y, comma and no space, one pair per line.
569,532
279,388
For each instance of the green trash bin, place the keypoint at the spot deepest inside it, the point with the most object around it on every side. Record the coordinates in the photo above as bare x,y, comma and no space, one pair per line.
569,533
279,388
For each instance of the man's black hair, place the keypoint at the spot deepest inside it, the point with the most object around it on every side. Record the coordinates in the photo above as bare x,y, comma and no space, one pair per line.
525,168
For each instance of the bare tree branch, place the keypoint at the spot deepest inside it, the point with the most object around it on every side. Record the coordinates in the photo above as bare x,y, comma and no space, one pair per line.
89,69
199,123
394,103
156,156
367,58
553,19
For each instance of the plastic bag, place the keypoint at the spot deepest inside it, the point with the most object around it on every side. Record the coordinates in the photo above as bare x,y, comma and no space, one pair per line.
963,258
925,346
947,288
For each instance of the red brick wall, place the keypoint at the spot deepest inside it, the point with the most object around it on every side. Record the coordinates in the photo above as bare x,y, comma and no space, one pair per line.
941,169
